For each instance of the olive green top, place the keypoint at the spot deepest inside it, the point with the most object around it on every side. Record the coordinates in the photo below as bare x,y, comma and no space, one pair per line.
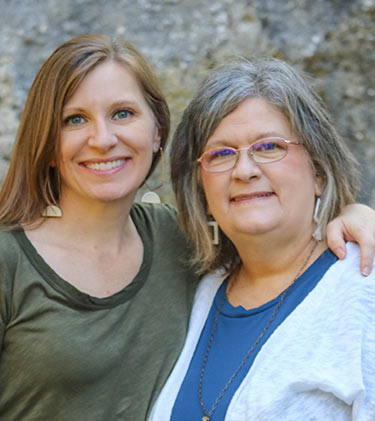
69,356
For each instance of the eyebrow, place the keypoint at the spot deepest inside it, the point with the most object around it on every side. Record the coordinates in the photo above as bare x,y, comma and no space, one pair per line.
67,110
265,135
125,103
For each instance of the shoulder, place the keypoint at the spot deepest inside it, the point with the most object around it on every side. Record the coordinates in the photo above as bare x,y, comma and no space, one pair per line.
207,289
212,281
348,269
9,247
157,224
342,299
351,316
10,256
345,287
6,237
154,213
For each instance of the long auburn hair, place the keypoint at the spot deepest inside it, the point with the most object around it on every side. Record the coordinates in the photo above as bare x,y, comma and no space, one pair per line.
31,182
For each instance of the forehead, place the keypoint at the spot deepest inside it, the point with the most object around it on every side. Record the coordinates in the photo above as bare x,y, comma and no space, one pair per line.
109,79
253,118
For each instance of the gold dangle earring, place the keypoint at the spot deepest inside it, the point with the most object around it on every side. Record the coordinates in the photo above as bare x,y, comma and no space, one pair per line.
150,196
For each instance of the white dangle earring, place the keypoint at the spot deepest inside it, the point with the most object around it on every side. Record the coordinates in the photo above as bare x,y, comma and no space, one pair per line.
214,231
318,231
52,211
150,196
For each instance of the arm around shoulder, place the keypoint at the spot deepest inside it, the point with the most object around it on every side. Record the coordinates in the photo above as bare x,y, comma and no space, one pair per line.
356,223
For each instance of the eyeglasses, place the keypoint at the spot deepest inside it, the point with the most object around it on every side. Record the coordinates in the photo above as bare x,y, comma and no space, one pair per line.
263,151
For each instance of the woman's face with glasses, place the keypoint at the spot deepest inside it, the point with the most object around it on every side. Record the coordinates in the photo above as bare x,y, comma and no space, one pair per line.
256,176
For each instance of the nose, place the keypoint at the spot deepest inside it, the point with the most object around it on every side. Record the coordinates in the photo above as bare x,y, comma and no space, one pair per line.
245,168
102,136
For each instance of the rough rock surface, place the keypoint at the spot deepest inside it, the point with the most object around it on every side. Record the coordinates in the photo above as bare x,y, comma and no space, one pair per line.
333,40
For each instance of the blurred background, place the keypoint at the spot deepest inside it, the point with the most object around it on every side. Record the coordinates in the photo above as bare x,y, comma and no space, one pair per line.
331,40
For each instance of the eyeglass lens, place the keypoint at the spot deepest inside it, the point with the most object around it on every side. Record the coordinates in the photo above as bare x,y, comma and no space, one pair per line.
262,152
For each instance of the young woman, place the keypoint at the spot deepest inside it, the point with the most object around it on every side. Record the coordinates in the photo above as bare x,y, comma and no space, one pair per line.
281,330
94,304
94,295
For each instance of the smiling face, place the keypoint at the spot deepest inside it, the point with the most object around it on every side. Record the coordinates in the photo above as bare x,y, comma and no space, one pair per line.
254,199
108,137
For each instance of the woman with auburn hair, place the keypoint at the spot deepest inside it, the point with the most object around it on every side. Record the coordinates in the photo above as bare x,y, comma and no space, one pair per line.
280,330
94,292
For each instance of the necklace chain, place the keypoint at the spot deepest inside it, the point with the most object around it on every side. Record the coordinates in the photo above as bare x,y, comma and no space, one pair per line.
207,415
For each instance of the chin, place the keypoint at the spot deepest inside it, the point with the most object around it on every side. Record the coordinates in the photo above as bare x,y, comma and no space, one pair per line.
108,196
256,227
258,231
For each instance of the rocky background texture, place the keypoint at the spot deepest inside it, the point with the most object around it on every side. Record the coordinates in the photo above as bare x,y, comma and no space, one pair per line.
332,40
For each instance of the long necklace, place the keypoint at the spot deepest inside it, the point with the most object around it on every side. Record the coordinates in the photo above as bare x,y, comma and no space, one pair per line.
207,415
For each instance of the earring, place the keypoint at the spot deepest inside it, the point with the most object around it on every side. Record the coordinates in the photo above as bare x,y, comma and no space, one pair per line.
214,231
52,211
150,196
318,231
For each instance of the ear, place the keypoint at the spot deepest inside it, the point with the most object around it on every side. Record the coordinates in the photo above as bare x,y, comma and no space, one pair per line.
319,180
318,185
157,140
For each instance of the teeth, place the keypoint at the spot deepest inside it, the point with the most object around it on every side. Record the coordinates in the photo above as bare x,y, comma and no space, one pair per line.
104,165
239,199
263,195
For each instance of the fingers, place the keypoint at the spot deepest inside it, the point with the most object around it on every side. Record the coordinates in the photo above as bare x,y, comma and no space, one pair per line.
356,223
367,248
335,238
359,230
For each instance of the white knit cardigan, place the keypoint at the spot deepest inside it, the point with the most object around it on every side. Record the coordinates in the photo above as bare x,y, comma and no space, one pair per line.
318,365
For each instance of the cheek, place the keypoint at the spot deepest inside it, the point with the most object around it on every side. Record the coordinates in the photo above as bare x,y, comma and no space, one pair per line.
297,172
144,138
69,144
302,189
208,185
215,189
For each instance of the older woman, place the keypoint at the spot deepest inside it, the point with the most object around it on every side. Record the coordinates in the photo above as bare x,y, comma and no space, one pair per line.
281,330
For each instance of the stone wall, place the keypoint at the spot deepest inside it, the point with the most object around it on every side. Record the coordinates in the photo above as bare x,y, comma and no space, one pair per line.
333,40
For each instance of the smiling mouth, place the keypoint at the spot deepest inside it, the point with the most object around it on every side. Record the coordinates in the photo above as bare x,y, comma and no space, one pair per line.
102,166
251,196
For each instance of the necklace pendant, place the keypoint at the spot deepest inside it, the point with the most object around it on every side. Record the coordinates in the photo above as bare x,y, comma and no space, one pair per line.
205,418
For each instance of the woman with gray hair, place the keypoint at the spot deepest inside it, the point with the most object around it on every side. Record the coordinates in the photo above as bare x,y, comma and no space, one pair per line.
280,329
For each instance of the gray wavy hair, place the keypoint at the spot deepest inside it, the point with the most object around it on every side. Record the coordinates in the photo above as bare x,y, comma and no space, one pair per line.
220,94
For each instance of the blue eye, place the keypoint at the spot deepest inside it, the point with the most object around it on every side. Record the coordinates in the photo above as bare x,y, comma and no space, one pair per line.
122,114
74,120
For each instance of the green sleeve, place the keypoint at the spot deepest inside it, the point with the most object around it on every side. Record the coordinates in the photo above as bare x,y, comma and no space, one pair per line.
6,262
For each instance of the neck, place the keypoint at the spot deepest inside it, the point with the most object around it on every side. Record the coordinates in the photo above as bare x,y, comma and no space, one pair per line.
93,227
269,267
